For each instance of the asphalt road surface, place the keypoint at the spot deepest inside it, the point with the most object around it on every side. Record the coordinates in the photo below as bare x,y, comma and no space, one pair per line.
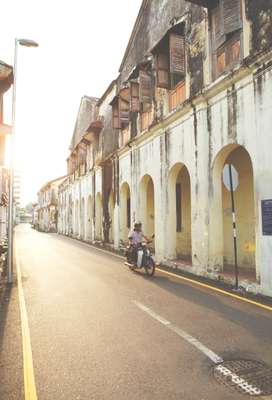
100,331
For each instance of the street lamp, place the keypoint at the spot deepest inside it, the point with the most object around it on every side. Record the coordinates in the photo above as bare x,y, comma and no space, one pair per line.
26,43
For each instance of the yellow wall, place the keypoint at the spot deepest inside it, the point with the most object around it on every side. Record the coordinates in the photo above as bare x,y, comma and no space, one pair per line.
150,226
244,204
183,238
124,196
111,214
98,217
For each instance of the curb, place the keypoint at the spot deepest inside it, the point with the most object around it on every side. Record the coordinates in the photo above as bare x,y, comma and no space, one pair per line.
264,300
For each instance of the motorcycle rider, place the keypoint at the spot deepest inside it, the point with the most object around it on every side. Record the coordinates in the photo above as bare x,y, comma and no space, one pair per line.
135,237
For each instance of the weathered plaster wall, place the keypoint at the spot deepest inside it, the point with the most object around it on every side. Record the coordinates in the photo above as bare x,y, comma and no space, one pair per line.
154,23
202,140
259,12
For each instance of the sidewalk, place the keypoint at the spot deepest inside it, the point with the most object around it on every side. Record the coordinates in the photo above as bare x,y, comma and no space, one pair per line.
11,358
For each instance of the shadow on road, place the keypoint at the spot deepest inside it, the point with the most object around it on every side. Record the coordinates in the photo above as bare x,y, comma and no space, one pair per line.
5,296
258,324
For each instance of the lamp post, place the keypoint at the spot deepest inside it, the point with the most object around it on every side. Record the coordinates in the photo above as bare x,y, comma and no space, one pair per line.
26,43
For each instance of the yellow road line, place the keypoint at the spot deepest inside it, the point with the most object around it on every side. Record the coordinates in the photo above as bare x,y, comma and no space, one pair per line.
235,296
29,380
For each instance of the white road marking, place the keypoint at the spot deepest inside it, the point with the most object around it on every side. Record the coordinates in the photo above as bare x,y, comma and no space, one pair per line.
215,358
184,335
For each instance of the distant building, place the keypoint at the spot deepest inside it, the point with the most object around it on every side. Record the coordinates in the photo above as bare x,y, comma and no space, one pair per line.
17,188
6,79
48,206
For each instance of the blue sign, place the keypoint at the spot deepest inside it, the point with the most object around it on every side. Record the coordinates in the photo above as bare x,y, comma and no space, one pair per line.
267,217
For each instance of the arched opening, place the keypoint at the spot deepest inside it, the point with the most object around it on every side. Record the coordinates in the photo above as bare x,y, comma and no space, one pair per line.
98,217
179,213
77,218
147,205
244,210
72,218
111,216
90,218
125,211
82,219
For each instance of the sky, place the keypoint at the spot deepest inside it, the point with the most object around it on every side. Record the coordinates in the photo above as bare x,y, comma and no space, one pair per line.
81,45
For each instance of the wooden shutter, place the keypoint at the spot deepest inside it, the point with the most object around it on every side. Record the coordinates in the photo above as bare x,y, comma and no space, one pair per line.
218,26
145,87
232,15
162,70
177,54
115,116
123,111
125,94
233,52
134,97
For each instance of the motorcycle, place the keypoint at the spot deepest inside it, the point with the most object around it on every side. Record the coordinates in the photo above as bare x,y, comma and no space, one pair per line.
144,258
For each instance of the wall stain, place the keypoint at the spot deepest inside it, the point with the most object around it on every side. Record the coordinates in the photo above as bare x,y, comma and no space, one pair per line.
232,113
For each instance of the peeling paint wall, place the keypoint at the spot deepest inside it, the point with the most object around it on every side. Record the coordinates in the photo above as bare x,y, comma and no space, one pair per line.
155,21
196,39
259,12
210,128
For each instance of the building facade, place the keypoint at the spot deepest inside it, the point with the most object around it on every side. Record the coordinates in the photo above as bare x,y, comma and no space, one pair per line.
47,208
192,96
6,79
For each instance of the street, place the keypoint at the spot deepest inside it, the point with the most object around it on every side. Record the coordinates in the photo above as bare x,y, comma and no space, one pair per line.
100,331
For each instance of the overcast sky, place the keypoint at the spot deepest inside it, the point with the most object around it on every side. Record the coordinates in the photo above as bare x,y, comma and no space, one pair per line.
81,47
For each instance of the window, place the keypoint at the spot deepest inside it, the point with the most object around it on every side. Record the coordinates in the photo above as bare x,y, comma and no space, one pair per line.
121,109
226,24
170,58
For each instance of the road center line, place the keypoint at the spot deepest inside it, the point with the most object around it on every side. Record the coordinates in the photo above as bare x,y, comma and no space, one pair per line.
184,335
29,380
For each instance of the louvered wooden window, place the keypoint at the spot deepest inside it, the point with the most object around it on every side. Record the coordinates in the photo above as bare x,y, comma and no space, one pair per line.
145,90
145,120
134,97
177,54
170,63
226,20
123,112
115,115
177,95
231,15
162,70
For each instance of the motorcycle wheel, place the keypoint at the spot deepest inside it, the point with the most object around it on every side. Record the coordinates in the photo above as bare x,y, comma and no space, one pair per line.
150,267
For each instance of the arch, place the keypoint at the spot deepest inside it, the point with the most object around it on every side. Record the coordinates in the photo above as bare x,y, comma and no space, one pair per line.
221,212
82,219
77,218
90,218
179,235
111,216
147,205
98,217
125,211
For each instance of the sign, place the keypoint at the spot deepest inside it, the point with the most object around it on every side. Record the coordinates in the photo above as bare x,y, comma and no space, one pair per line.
267,217
229,172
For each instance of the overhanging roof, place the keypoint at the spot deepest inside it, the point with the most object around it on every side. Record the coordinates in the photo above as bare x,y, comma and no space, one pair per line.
204,3
5,70
5,129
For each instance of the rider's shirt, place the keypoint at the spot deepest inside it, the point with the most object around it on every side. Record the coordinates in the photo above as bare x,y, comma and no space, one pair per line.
136,237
